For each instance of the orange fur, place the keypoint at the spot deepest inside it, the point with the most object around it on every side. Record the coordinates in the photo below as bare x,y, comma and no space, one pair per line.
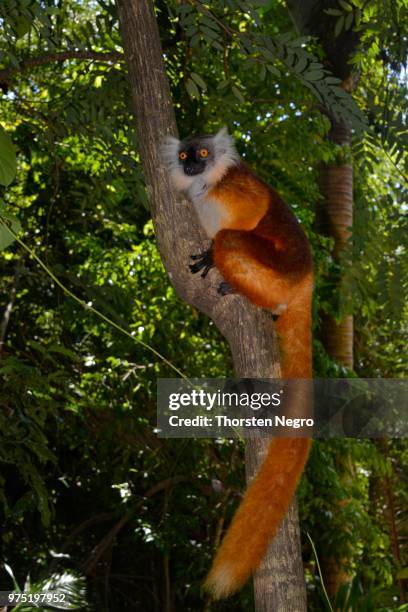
244,198
264,255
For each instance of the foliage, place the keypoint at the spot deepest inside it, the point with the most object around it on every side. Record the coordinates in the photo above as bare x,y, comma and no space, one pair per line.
260,51
67,587
86,485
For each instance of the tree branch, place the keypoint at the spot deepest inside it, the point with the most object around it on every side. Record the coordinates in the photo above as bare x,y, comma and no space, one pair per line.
7,74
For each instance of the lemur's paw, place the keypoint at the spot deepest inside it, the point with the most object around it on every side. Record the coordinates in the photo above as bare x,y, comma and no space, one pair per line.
225,288
204,261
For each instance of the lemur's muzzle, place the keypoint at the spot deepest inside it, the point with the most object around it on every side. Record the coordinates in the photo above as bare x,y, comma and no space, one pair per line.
193,169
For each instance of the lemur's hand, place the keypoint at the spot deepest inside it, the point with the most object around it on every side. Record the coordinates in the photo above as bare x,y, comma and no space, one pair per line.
204,261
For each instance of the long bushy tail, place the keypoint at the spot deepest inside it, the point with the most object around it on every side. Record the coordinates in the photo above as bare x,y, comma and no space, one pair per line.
268,497
259,516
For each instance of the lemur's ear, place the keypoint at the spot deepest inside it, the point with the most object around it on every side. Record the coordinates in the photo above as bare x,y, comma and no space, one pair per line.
224,145
169,150
171,141
222,132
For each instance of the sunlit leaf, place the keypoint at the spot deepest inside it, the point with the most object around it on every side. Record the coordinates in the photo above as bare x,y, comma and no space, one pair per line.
7,220
8,161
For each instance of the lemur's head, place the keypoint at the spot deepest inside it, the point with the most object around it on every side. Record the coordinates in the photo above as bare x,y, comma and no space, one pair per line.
207,157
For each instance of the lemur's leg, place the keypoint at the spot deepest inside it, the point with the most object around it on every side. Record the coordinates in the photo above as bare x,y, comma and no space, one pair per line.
203,260
246,261
225,288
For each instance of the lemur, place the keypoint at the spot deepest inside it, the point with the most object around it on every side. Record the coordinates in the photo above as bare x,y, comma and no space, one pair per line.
262,253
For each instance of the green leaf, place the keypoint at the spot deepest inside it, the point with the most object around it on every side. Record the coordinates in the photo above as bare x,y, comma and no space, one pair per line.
273,70
22,26
312,87
223,84
331,80
11,574
238,94
209,34
191,30
210,23
195,40
301,64
314,75
6,238
184,8
339,26
192,89
349,21
345,5
334,12
217,45
200,82
8,161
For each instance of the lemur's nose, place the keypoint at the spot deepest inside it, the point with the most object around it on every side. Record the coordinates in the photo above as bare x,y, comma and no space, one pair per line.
191,169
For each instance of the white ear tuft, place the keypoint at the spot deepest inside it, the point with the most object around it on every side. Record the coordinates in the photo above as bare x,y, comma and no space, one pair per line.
171,140
225,147
169,151
222,133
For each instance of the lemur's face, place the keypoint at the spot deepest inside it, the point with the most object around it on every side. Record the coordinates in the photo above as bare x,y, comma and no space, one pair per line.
206,158
195,155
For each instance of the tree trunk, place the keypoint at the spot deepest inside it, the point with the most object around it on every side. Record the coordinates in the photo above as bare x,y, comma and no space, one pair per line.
335,214
335,217
390,512
249,330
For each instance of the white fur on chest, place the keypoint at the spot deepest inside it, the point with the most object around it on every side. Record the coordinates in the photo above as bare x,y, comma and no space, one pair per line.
212,215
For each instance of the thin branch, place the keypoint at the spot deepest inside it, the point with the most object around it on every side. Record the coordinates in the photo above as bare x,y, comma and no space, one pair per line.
9,307
6,317
82,303
7,74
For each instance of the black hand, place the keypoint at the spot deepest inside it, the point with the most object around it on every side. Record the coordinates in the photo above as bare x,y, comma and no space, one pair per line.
203,260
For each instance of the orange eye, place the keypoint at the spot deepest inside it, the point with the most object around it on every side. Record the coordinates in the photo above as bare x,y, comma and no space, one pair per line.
183,155
204,153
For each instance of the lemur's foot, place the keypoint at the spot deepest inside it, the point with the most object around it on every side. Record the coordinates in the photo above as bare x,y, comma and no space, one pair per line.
204,261
225,288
